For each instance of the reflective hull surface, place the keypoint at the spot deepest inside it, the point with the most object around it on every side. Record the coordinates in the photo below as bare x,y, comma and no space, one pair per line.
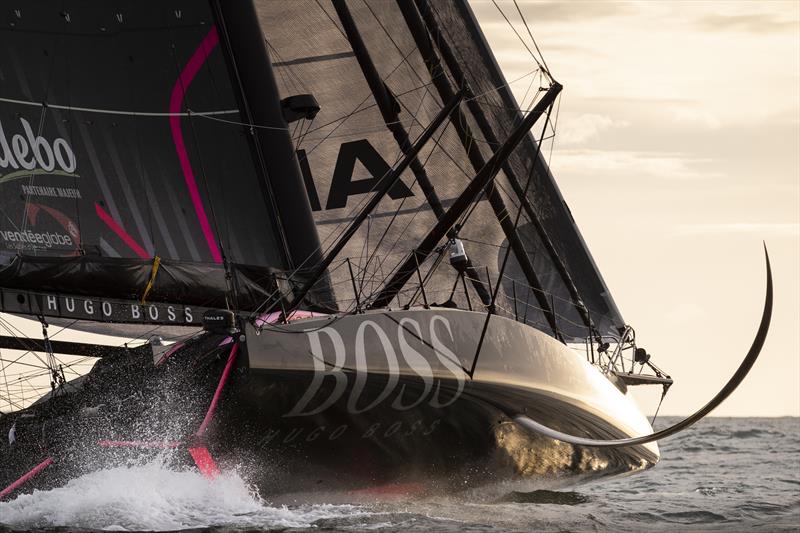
343,404
384,398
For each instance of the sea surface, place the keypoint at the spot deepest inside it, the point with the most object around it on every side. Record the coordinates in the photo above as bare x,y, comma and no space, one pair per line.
724,474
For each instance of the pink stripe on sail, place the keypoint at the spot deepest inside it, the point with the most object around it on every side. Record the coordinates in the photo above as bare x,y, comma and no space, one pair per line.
121,233
175,104
24,479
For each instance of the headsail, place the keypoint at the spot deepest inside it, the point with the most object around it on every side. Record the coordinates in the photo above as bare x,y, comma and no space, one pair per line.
349,146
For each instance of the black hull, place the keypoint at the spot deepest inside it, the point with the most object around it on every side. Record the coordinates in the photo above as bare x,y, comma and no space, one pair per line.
382,416
467,444
353,403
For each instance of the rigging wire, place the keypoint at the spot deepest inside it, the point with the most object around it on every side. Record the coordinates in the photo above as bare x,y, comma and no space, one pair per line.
394,217
44,369
394,43
555,129
530,33
415,120
520,37
335,25
338,231
103,111
293,81
359,109
26,209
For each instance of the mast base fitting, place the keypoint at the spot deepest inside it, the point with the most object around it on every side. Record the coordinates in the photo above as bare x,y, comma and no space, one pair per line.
219,321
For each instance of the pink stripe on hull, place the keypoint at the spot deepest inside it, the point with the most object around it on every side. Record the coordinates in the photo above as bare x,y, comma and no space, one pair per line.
221,385
205,463
175,106
272,318
24,479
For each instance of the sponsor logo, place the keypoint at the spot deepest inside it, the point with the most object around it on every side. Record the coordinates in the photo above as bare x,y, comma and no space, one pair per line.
399,429
67,305
28,153
346,181
98,309
30,239
51,192
404,345
25,239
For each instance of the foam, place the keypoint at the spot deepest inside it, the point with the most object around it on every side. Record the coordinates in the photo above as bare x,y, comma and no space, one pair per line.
153,497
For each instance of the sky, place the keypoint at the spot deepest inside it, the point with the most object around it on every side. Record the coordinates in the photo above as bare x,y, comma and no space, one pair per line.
678,151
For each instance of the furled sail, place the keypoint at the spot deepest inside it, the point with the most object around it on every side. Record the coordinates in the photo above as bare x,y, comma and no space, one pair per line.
423,52
127,171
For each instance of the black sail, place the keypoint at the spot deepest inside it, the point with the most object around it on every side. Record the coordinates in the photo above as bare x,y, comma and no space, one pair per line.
125,137
347,148
122,139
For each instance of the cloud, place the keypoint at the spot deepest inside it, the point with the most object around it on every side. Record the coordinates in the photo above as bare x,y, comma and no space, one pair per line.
660,165
700,117
577,130
686,313
783,229
753,23
539,11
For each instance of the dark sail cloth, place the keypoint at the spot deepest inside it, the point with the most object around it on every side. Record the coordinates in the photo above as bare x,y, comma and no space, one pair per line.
123,138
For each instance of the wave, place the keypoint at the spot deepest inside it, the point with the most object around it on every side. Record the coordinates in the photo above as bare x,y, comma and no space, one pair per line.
545,497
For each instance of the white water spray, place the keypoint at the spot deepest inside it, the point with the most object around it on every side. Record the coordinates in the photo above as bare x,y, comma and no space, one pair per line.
152,497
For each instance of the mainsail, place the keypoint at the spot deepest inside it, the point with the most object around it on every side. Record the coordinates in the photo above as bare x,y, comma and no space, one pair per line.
126,170
140,163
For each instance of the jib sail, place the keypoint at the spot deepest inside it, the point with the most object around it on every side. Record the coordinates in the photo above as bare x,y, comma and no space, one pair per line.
422,52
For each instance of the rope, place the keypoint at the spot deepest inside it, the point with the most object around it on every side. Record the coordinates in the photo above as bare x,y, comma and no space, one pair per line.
519,36
151,281
527,27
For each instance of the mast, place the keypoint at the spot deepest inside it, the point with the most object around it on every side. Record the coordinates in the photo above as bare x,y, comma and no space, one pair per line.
486,129
249,61
389,108
445,89
469,195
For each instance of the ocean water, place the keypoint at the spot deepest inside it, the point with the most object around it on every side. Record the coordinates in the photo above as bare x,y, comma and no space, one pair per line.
724,474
